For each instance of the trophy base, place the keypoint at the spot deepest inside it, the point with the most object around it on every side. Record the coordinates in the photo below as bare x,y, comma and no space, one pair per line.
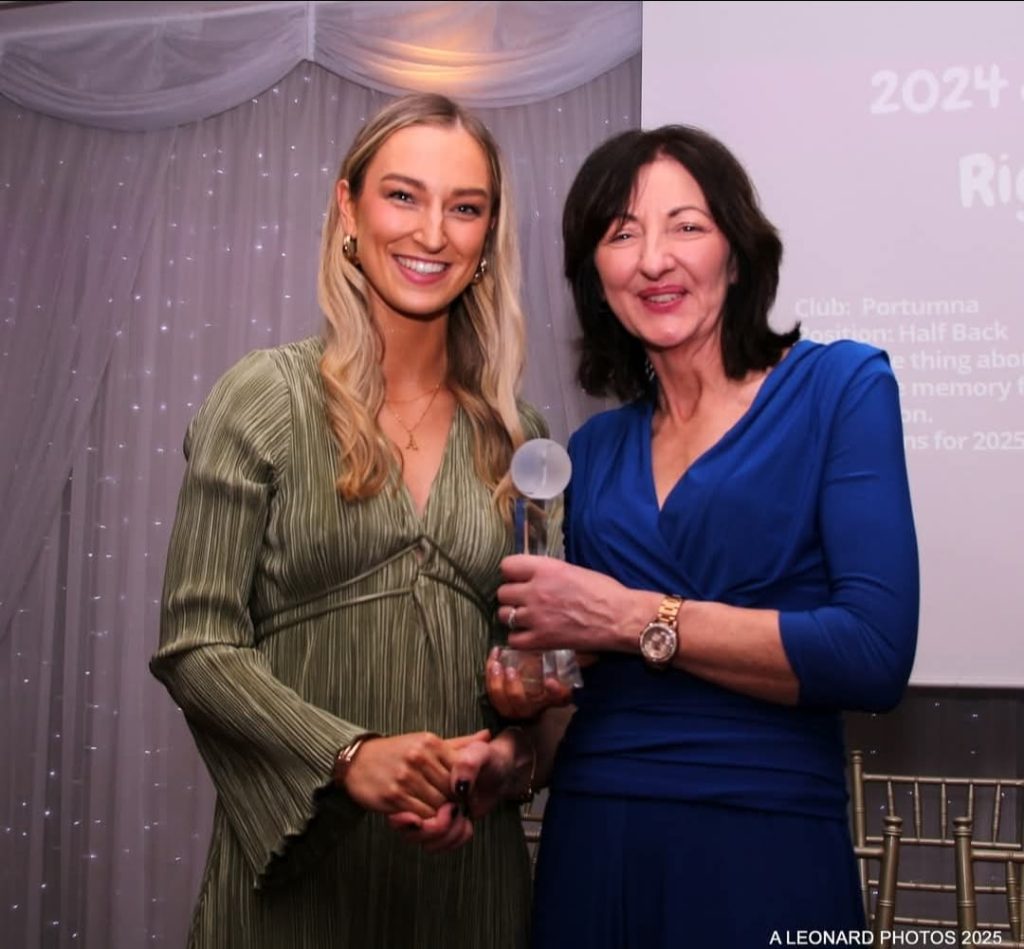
535,667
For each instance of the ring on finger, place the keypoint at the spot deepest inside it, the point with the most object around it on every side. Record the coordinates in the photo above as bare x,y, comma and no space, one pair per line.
511,624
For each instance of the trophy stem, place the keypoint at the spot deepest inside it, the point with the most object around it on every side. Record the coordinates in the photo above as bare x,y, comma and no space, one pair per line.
530,536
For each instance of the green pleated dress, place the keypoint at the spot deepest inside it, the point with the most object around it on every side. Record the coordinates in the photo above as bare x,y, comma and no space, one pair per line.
293,621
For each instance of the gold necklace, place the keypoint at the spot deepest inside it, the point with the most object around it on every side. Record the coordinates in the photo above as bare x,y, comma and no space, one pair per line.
415,398
413,445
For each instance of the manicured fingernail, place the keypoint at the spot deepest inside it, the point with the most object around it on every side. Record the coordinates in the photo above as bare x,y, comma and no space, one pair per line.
511,674
494,669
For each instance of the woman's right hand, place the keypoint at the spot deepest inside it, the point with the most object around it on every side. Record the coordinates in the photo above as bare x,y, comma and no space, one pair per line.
510,696
405,773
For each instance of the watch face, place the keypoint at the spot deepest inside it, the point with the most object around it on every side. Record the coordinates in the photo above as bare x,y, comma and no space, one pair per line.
658,643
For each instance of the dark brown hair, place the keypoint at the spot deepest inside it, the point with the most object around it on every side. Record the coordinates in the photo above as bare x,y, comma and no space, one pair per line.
612,361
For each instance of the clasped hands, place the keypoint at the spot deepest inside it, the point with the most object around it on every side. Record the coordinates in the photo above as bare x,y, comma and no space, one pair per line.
432,788
415,780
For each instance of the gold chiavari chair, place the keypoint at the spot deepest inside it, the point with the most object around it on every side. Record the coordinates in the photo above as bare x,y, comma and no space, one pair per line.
926,885
879,893
1010,858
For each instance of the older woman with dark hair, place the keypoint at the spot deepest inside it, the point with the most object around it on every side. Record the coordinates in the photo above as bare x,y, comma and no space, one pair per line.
740,556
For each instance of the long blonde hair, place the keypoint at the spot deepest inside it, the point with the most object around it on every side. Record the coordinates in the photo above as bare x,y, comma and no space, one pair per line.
485,324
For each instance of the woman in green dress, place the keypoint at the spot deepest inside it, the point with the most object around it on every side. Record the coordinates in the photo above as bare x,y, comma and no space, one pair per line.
330,584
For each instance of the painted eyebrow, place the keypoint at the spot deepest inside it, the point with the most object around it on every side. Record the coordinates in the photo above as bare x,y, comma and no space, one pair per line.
688,207
628,218
458,192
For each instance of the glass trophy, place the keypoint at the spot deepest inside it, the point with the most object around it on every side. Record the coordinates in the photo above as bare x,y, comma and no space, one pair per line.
540,472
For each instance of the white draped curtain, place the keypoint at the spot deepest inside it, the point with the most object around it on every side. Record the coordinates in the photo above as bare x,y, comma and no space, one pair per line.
145,245
141,66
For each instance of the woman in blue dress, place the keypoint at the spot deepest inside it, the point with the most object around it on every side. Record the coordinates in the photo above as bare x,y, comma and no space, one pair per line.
741,559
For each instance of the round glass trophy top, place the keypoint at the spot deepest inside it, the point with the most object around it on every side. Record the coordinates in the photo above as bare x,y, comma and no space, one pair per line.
540,469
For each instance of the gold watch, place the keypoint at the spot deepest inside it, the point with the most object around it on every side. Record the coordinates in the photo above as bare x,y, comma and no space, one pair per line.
659,639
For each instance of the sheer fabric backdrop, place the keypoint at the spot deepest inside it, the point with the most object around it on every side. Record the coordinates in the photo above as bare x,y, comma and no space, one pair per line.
197,244
134,268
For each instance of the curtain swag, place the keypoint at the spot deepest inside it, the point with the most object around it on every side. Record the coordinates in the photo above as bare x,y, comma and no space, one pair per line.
144,66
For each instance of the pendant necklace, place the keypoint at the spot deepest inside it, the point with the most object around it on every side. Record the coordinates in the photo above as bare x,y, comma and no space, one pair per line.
412,444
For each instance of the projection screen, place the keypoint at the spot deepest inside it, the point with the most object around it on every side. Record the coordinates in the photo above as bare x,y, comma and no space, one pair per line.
887,143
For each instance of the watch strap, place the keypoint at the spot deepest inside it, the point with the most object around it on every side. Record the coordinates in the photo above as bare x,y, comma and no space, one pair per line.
668,610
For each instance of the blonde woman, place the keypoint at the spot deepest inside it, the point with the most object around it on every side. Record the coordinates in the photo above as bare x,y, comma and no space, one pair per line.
330,587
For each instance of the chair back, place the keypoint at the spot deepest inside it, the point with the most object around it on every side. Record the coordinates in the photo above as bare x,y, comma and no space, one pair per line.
1011,862
926,886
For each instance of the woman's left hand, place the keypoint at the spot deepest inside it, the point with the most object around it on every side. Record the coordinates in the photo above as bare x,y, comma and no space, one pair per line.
481,770
550,604
508,693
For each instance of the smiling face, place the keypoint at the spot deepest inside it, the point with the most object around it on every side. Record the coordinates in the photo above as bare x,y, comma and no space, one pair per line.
421,220
665,269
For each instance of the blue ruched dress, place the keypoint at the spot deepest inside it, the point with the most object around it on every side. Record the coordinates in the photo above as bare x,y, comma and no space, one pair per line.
683,814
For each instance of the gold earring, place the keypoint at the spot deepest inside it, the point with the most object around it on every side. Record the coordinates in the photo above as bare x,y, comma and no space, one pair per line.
350,248
481,270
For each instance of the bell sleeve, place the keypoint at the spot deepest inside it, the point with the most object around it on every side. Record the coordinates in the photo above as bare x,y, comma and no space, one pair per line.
270,753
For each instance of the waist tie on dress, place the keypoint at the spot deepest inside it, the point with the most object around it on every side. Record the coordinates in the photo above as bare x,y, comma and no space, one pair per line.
335,598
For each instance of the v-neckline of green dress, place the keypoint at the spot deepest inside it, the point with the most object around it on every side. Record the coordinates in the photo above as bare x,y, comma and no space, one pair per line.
422,518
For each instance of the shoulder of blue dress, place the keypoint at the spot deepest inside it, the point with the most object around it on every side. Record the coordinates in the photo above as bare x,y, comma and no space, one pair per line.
601,429
611,420
841,358
846,351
